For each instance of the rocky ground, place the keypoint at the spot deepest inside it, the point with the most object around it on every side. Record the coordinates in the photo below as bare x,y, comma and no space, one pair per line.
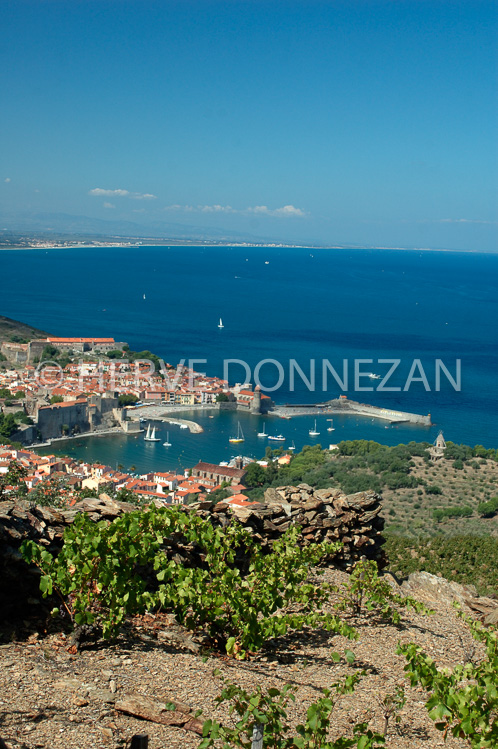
54,697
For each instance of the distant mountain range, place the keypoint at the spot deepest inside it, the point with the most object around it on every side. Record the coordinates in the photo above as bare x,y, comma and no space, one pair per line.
62,223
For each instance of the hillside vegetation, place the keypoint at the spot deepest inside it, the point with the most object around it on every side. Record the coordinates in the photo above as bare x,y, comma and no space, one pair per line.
441,518
454,496
18,332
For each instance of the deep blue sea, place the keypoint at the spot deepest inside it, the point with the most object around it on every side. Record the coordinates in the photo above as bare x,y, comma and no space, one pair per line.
279,304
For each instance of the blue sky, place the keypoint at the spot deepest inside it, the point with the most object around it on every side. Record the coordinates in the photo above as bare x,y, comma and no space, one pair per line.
369,123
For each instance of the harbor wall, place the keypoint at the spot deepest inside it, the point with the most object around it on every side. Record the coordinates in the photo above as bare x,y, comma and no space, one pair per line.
387,413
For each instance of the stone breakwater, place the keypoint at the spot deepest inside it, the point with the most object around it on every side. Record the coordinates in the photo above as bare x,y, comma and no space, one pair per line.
348,407
387,414
322,514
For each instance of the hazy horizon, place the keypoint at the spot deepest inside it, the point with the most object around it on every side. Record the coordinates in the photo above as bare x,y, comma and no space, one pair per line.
343,123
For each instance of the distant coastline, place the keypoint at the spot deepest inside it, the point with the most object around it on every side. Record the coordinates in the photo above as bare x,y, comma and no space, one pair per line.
38,241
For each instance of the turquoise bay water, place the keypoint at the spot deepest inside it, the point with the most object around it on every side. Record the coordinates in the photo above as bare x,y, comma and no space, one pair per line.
213,446
279,304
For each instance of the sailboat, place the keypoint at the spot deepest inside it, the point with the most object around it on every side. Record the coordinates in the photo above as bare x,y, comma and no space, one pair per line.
263,433
313,432
167,443
292,447
144,296
331,428
240,434
151,435
221,324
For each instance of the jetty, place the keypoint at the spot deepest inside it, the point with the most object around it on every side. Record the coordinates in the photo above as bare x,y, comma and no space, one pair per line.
162,413
346,407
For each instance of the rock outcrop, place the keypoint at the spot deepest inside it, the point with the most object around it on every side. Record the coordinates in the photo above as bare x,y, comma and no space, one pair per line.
431,588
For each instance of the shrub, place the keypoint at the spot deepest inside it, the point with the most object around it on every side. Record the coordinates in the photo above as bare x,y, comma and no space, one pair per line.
488,509
452,512
462,701
433,489
366,591
103,573
266,711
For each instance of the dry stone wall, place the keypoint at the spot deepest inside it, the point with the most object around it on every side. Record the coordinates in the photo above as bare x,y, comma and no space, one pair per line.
323,515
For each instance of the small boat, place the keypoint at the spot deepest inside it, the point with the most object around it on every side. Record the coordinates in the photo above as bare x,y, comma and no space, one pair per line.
331,428
144,296
240,434
373,376
183,426
221,324
276,437
167,443
151,435
263,433
292,447
313,432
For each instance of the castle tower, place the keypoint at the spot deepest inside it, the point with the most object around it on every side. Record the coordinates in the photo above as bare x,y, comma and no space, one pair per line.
256,401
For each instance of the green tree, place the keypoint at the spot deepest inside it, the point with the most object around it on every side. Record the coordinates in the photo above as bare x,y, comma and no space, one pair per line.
222,398
127,399
49,352
255,476
8,426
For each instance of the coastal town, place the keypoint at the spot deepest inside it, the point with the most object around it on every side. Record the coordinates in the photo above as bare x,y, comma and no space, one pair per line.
56,389
44,398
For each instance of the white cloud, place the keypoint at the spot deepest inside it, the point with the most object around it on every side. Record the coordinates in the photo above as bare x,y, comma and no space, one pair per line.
217,209
109,205
287,211
100,192
463,221
7,179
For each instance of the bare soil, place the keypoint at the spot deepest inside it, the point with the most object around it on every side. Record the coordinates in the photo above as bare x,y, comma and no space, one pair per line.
54,698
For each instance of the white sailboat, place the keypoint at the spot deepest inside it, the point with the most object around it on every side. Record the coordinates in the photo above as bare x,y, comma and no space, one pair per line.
331,428
240,434
221,324
151,435
313,432
167,443
292,447
263,433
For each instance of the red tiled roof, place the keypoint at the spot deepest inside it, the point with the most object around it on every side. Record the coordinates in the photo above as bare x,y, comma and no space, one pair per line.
64,405
220,470
81,340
